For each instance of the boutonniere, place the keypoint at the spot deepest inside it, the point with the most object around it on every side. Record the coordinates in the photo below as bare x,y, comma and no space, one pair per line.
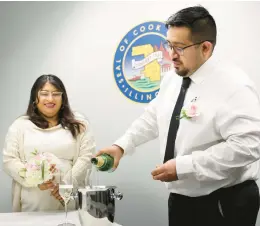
190,111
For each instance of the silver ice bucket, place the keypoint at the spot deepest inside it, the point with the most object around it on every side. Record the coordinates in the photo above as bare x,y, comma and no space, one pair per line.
97,202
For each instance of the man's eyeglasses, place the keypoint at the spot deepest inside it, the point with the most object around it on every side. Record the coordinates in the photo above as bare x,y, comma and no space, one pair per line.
46,94
179,50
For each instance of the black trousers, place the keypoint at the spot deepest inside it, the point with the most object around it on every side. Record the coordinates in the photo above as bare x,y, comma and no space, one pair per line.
234,206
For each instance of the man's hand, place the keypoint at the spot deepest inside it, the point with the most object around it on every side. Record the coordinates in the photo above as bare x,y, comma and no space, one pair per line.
115,151
166,172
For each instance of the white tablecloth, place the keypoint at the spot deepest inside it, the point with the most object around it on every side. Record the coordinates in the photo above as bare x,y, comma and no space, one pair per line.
39,219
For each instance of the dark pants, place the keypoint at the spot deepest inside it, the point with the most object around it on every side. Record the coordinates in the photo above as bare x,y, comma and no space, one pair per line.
234,206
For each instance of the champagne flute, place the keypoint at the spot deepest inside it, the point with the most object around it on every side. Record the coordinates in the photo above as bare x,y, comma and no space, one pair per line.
93,177
65,191
55,180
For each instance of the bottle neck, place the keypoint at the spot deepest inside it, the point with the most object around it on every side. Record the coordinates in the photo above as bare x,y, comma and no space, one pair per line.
98,161
94,161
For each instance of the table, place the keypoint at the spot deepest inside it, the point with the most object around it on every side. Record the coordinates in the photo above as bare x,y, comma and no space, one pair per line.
39,218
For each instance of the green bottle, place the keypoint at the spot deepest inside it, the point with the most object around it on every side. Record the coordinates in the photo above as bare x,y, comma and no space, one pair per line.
103,162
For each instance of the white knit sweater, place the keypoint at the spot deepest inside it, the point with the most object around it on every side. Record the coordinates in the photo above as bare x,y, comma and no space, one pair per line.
23,137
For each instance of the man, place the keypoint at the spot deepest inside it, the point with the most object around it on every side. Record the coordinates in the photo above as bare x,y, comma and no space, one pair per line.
207,118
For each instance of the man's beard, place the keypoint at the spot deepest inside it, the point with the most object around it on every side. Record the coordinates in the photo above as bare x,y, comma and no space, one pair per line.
182,73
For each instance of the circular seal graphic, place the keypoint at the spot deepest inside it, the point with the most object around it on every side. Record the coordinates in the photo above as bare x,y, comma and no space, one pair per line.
141,61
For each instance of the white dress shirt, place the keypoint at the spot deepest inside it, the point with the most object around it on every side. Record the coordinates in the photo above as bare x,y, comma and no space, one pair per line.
218,148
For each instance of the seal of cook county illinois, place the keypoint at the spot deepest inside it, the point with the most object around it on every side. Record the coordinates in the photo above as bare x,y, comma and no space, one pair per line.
141,61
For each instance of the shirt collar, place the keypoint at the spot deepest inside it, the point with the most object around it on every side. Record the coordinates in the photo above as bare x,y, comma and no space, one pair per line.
205,69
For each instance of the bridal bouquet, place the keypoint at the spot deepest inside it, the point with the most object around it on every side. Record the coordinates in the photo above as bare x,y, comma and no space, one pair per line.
39,168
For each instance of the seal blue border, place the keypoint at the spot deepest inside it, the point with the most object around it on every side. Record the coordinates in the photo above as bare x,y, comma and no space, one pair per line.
122,84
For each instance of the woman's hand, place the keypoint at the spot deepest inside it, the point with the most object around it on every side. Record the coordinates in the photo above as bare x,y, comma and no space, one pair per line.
55,193
46,185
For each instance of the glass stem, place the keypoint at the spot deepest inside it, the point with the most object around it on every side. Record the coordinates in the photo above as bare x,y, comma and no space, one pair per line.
66,212
97,177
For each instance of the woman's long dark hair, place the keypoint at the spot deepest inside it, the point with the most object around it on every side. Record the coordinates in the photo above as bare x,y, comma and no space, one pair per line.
66,117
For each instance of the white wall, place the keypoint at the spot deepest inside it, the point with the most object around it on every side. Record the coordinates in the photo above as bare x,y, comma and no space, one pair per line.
77,42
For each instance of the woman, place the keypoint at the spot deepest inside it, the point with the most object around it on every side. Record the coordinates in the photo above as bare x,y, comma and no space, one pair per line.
48,126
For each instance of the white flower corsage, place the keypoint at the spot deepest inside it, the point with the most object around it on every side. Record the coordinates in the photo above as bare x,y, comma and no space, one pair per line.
190,111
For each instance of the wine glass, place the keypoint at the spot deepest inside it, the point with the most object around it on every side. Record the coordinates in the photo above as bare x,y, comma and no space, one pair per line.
93,177
65,183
